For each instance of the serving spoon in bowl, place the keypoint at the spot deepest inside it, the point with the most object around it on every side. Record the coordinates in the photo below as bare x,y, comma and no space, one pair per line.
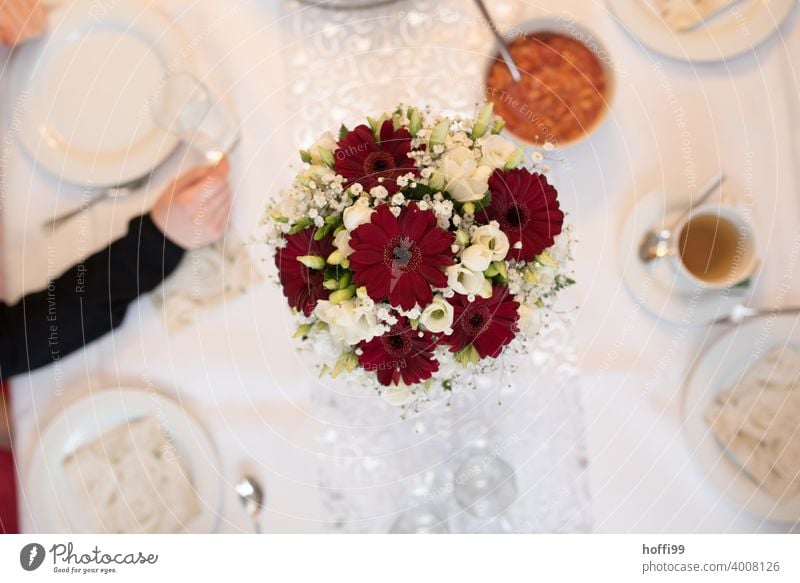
501,42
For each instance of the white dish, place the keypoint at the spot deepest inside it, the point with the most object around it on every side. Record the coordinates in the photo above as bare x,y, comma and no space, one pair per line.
55,509
593,43
655,285
718,369
82,93
729,35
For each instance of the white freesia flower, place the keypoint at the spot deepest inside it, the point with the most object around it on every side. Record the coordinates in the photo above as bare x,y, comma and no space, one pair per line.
325,142
342,242
399,395
356,215
491,237
347,322
465,180
438,316
530,320
496,151
467,282
477,258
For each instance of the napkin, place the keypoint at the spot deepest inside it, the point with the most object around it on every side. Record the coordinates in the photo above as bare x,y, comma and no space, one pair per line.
205,279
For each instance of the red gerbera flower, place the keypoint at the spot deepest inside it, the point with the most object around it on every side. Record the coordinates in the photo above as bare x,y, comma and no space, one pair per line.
526,206
302,286
401,353
400,258
359,158
487,324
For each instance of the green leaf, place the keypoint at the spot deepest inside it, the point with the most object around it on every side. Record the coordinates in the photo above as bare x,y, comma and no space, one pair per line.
484,202
305,156
343,131
419,191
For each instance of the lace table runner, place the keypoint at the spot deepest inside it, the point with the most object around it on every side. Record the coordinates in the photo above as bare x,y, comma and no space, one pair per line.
341,66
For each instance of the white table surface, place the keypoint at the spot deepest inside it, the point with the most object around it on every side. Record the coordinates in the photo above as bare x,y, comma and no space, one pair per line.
742,116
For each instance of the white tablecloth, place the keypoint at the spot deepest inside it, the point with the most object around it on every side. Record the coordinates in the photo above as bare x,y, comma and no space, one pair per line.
289,77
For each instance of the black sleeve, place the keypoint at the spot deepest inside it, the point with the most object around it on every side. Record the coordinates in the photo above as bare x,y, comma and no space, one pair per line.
86,301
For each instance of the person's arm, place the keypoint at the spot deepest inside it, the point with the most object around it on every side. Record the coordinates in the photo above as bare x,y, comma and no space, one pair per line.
91,298
20,21
86,301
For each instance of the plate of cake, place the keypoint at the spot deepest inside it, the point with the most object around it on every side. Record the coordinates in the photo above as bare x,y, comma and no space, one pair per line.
125,461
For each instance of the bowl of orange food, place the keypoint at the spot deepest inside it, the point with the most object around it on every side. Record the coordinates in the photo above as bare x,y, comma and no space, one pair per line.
566,88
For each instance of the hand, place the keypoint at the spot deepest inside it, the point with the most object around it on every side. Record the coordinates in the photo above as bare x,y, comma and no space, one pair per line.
193,211
21,20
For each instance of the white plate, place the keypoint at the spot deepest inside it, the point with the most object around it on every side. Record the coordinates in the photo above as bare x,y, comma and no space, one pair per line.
653,285
55,509
729,35
81,94
719,369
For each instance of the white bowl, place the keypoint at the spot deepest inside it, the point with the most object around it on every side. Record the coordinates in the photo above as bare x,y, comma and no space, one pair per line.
583,35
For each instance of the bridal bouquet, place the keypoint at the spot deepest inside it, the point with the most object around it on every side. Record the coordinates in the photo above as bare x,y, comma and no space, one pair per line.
419,250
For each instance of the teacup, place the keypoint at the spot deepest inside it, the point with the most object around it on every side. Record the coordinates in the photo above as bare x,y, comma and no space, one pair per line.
714,248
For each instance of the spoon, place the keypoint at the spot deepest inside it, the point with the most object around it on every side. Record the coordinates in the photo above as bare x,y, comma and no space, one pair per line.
741,313
655,243
512,66
251,495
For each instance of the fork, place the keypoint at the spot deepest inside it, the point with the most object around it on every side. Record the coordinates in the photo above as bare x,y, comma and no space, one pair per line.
118,191
741,313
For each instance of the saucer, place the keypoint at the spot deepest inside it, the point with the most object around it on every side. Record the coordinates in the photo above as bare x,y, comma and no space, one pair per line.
654,285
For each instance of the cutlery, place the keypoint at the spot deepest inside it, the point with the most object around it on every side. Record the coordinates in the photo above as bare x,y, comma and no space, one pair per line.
741,313
655,243
501,42
715,12
251,495
118,191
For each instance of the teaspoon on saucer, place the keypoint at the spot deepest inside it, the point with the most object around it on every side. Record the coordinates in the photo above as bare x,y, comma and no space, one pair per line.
655,242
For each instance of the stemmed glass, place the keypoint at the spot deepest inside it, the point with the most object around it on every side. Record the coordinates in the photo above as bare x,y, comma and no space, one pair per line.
427,514
183,106
485,484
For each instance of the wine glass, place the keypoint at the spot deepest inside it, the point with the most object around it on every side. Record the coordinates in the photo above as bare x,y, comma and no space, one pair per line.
426,515
485,484
183,106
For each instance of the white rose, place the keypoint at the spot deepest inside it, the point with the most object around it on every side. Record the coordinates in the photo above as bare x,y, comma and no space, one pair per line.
467,282
491,237
325,142
465,180
438,316
496,151
477,258
348,324
356,215
530,320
